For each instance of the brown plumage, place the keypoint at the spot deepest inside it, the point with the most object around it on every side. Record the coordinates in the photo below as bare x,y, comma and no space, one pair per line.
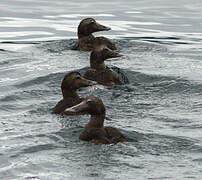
98,71
71,82
86,41
94,131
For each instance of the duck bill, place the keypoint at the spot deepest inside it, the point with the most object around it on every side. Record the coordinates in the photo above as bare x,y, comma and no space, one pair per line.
78,109
86,82
113,54
100,27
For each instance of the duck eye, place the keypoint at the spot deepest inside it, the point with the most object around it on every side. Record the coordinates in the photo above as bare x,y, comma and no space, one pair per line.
89,101
105,50
78,77
92,22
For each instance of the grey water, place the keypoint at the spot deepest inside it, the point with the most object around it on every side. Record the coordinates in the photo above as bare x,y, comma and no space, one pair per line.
158,106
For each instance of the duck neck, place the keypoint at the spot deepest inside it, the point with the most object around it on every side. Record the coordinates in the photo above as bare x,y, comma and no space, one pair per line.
97,62
96,121
98,67
90,36
70,93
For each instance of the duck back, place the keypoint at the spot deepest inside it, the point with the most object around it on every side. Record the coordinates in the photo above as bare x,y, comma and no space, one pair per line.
103,77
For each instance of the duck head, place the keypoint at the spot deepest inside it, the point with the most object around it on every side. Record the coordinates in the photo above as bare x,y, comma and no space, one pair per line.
88,26
73,81
90,105
99,55
104,41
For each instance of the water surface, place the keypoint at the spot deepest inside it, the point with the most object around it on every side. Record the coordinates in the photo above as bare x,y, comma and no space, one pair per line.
158,106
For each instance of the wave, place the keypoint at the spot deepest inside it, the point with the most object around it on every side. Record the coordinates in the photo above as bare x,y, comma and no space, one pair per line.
131,81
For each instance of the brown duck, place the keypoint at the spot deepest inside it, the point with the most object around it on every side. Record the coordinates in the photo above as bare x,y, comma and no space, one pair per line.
71,82
86,41
98,71
94,131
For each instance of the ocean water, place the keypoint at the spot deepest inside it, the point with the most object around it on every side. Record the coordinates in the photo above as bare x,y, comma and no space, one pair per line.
158,107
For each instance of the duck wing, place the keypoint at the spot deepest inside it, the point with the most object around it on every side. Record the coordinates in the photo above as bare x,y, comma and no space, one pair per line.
114,135
95,135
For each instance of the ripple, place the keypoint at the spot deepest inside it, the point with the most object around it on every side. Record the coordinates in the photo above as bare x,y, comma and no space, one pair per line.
79,15
157,107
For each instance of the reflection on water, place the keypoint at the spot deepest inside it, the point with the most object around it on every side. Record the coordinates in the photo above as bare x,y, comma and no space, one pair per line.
157,107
